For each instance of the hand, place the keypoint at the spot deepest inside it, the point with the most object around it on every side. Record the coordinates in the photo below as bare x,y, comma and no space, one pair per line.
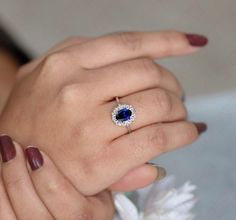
64,106
40,192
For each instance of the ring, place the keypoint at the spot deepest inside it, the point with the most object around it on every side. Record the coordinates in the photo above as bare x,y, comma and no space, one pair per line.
123,114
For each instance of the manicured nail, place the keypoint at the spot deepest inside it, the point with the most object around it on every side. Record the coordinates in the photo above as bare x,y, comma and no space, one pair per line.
201,127
34,157
197,40
161,172
7,148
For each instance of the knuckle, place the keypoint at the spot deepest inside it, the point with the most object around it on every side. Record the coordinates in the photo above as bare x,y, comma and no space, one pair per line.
59,185
178,87
139,147
71,94
55,62
145,67
149,66
15,182
163,100
167,44
159,72
159,139
130,40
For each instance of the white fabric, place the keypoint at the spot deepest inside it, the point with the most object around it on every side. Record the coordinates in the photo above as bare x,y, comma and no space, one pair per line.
161,201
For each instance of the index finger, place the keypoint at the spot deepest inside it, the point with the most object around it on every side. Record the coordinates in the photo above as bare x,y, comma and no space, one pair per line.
117,47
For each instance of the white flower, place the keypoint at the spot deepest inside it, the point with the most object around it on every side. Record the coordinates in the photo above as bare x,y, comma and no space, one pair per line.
160,202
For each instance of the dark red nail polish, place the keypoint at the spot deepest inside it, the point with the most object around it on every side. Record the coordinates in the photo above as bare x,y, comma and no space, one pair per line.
201,127
7,148
197,40
34,157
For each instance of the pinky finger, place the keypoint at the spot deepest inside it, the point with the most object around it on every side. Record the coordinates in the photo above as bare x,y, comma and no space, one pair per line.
139,177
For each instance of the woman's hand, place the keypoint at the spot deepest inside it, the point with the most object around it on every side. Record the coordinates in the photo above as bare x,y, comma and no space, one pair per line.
64,106
39,191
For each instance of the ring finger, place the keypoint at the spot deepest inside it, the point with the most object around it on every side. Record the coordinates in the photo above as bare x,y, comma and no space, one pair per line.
151,106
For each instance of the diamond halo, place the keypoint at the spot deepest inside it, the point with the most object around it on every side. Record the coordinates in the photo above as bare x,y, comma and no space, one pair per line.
125,122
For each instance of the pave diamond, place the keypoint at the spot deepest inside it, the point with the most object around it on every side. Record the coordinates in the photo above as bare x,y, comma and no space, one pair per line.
123,115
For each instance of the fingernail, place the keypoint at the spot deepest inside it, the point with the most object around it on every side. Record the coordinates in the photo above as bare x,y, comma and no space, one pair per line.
7,148
197,40
34,157
201,127
161,171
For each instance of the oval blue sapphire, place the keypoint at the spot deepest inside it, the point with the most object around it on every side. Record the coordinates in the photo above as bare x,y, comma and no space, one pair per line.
123,115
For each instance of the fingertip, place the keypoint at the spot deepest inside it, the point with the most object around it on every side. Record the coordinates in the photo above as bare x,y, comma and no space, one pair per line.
34,157
7,148
138,178
197,40
201,127
160,171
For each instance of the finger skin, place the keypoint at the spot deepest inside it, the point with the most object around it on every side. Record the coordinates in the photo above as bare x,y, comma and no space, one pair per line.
49,125
6,210
142,145
151,106
103,205
118,47
59,195
138,147
122,79
28,68
153,140
55,191
137,178
20,190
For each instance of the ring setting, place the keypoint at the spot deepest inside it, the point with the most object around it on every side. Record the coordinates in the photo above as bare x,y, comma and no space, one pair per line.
123,114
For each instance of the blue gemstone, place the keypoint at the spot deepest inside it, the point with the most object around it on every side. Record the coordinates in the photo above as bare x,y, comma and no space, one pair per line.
123,115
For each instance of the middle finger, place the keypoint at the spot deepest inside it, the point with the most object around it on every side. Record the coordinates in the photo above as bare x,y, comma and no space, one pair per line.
122,79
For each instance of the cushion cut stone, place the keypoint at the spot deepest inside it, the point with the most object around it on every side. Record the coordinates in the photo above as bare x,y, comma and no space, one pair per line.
124,115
